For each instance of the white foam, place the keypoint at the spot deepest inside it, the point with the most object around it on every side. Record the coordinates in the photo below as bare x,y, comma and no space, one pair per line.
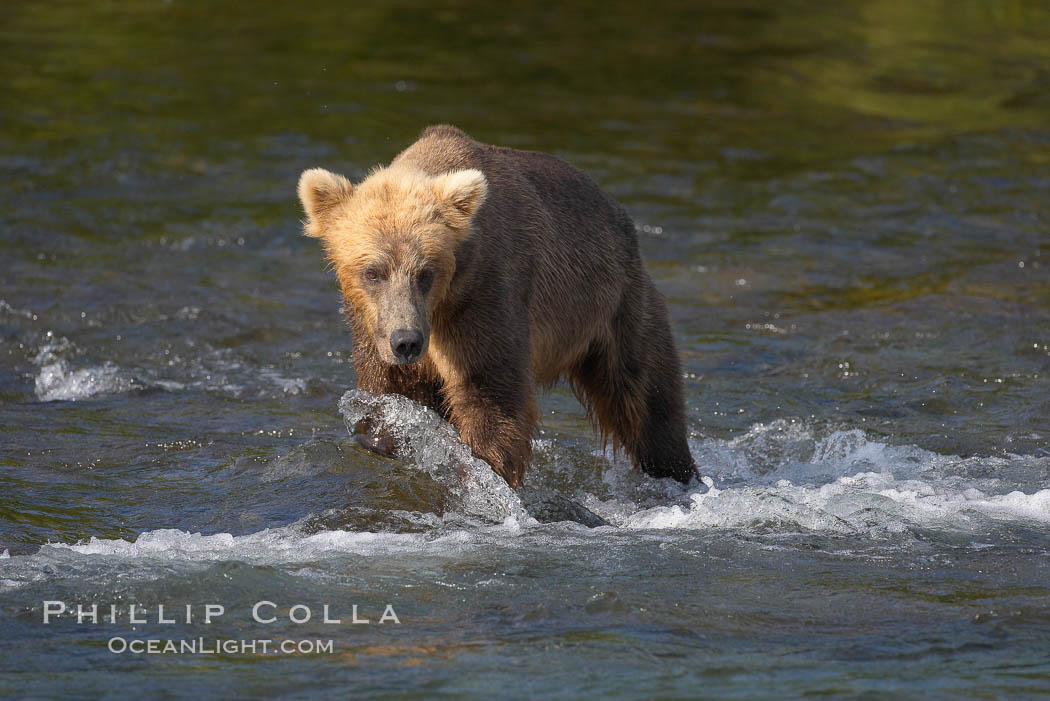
270,546
56,382
782,476
274,547
866,502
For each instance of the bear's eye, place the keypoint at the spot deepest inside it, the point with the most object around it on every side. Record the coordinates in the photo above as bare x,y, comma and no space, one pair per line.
425,280
371,274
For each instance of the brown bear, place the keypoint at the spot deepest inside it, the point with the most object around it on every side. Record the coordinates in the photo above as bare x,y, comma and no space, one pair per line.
473,273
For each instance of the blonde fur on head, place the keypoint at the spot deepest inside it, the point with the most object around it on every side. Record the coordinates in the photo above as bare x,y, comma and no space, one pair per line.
397,221
320,192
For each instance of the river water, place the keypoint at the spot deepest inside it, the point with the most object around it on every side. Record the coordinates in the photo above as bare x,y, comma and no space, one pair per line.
844,203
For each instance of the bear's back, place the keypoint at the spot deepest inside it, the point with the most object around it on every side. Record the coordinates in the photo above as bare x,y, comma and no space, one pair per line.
543,191
547,239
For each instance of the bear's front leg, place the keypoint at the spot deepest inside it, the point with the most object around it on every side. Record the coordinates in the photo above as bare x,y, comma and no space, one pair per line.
495,420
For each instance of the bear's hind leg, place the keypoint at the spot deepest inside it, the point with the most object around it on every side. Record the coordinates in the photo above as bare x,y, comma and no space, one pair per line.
632,386
662,449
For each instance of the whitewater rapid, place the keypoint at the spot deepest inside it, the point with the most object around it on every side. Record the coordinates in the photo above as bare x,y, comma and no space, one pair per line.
779,479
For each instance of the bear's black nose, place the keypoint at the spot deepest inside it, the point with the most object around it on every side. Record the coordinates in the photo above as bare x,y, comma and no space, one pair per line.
407,344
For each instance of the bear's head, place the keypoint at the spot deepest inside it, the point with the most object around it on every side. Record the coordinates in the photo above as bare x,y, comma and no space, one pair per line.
392,241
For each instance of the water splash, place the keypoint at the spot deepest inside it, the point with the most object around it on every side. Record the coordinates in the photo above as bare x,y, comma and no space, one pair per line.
785,477
57,381
429,443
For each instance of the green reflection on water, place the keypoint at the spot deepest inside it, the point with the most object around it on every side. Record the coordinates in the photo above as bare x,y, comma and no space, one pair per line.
640,81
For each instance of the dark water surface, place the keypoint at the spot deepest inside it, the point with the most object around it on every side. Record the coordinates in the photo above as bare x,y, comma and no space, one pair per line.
846,205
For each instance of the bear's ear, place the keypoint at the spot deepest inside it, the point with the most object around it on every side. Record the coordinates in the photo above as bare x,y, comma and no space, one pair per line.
320,191
460,194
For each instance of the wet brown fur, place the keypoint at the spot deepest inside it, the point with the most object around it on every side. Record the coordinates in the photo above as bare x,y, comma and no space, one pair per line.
537,277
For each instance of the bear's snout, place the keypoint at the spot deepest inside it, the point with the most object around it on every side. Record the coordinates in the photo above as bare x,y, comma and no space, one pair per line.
407,345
